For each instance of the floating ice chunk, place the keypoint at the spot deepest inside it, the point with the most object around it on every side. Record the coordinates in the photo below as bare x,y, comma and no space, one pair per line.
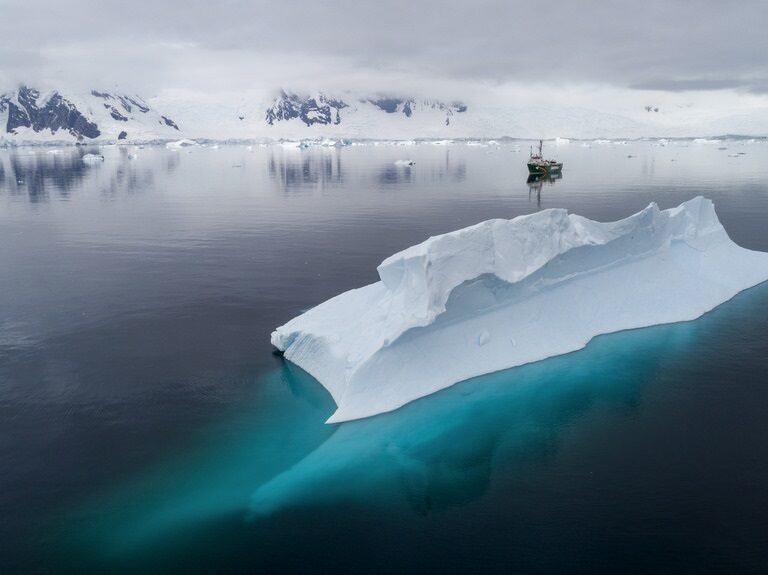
542,284
705,141
90,158
178,144
561,141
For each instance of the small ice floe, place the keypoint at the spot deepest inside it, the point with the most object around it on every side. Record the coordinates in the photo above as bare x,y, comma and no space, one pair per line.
178,144
601,142
662,142
90,158
54,151
561,141
132,156
439,142
483,337
705,141
404,162
295,145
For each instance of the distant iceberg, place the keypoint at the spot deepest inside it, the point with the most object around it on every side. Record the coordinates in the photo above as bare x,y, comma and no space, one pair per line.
178,144
503,293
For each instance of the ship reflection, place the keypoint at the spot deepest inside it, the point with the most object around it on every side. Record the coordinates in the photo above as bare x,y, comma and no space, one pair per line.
537,181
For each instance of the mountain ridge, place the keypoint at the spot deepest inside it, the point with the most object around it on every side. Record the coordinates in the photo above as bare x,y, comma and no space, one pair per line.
31,116
27,114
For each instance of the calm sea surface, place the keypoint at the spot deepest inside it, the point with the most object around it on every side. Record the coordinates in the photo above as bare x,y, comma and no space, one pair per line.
146,426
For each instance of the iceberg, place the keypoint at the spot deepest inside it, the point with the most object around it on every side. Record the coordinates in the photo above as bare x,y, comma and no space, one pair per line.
503,293
178,144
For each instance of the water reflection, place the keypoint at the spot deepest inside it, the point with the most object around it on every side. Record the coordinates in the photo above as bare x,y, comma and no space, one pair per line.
304,170
40,175
537,181
396,173
128,176
295,169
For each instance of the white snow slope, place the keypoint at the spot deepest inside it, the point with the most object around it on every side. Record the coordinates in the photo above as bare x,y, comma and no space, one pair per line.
504,293
112,113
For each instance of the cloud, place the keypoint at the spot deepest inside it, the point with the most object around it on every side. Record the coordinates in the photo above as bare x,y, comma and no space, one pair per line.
666,45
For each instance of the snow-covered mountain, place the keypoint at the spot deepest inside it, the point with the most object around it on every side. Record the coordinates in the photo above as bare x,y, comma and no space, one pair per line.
29,115
325,110
378,116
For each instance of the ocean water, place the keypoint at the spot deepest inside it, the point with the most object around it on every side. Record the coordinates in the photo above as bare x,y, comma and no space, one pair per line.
146,426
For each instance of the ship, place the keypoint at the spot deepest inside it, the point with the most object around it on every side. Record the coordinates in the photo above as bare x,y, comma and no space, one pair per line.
537,165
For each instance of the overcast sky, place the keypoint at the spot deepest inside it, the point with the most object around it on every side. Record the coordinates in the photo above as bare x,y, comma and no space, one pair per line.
229,45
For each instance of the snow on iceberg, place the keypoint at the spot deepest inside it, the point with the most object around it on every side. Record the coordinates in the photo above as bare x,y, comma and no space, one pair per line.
503,293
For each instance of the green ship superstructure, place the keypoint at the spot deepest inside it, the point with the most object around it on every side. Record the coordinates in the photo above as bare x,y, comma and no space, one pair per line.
538,165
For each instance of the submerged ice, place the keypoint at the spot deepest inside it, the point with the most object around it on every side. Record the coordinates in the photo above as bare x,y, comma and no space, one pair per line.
504,293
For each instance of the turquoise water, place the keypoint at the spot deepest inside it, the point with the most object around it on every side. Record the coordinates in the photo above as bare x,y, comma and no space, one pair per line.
148,428
244,492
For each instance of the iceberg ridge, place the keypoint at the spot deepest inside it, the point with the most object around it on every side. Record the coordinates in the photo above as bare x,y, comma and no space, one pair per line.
507,292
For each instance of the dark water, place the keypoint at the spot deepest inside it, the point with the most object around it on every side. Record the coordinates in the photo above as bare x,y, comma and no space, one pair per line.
145,425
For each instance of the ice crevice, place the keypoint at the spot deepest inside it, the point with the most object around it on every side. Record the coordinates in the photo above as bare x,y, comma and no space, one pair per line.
503,293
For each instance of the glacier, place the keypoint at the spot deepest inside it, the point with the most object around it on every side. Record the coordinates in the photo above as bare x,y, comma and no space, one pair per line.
503,293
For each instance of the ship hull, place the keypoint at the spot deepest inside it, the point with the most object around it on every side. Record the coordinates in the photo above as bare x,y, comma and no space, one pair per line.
539,169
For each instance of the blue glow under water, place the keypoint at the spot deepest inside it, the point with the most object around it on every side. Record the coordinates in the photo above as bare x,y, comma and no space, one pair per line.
146,427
